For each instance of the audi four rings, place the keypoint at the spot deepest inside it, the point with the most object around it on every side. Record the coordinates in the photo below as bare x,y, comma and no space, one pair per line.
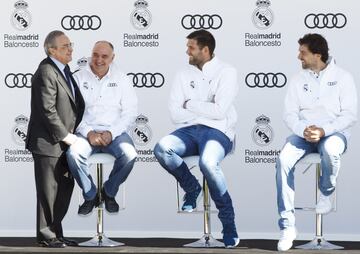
265,79
147,79
84,22
322,20
19,80
198,21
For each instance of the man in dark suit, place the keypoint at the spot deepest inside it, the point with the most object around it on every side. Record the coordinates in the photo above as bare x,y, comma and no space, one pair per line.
57,107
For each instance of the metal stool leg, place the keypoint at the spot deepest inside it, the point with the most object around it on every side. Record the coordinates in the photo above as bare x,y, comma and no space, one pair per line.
319,242
100,240
207,241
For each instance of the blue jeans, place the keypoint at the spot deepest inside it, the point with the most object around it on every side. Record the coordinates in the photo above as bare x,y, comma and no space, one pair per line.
122,148
330,149
212,146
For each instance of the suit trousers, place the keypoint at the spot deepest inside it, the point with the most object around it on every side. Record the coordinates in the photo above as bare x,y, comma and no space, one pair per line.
54,187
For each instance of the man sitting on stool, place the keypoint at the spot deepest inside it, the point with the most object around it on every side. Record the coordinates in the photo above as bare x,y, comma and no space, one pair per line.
201,105
110,108
320,107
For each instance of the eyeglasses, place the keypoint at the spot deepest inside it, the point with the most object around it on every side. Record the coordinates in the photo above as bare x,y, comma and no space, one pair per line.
66,46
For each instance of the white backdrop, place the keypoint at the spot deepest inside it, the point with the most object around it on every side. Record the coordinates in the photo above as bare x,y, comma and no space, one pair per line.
150,191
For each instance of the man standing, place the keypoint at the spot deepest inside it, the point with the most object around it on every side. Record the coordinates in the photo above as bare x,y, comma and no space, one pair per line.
320,107
110,108
56,109
201,106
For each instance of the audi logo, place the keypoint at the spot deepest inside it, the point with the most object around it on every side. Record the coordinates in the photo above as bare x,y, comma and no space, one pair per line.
201,21
147,79
19,80
84,22
262,80
322,20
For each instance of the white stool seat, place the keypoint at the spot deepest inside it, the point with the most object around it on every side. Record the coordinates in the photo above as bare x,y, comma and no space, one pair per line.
312,158
103,158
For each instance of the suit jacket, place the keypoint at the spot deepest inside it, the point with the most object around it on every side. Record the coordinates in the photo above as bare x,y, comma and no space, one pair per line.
54,110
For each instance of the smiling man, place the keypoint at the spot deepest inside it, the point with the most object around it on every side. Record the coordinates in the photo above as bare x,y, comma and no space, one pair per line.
201,106
110,108
56,110
320,107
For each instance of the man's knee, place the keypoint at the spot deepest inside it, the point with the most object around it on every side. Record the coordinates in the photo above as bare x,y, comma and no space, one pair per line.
72,153
161,148
80,149
131,153
125,150
282,161
158,150
333,145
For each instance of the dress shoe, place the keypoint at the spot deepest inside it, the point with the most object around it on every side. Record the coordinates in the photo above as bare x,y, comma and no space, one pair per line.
52,243
110,203
88,206
68,241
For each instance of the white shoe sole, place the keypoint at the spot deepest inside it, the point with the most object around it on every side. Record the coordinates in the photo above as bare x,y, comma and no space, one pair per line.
233,246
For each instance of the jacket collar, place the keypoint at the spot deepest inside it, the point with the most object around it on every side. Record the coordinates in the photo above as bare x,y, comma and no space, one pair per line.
61,78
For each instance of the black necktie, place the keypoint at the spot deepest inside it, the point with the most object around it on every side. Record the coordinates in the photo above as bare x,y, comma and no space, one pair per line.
67,76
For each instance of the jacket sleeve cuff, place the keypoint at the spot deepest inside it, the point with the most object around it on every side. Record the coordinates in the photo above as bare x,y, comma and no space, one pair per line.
84,131
328,129
299,129
192,105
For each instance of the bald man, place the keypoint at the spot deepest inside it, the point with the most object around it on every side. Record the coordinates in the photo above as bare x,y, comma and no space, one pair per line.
110,108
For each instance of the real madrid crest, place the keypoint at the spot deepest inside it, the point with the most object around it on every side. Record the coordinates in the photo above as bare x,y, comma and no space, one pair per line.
82,62
20,129
141,132
140,17
262,133
262,16
21,18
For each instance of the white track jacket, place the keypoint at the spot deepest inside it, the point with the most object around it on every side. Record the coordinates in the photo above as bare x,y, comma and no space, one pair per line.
328,101
211,94
110,103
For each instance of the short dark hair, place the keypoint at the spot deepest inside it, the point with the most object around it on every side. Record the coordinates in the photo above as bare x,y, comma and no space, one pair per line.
203,39
317,44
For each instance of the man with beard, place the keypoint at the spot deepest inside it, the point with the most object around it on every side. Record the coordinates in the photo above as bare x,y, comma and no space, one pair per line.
201,106
320,107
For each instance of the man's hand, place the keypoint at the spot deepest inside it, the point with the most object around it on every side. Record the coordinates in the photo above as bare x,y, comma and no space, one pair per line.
70,139
106,137
313,133
95,139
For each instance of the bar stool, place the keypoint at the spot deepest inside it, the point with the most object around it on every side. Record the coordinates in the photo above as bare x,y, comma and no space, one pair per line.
319,241
207,240
100,240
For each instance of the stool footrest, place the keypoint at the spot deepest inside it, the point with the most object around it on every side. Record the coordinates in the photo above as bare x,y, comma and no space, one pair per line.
319,243
100,240
207,241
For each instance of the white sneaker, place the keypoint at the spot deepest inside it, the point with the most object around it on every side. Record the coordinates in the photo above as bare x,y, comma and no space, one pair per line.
324,205
288,235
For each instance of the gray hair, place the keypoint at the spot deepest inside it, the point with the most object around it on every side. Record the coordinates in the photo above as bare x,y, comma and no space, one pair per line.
50,40
107,42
